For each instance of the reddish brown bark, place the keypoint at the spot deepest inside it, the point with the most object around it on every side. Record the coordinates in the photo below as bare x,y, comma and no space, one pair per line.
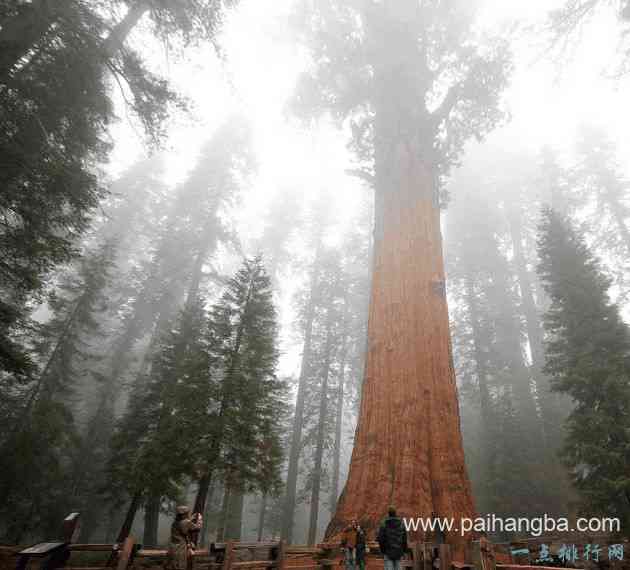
408,448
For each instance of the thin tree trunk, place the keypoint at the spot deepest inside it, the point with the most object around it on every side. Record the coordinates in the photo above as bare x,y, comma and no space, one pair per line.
116,39
134,505
261,516
204,534
44,377
551,408
22,32
202,492
234,522
225,509
151,521
298,419
334,489
321,432
547,399
488,418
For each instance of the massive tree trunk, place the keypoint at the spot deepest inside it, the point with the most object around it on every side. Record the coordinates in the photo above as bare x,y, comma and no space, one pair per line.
408,448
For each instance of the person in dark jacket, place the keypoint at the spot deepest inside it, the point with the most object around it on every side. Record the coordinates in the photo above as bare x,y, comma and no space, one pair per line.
360,548
392,540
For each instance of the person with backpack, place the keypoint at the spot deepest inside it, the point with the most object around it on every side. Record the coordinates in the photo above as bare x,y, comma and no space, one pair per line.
392,540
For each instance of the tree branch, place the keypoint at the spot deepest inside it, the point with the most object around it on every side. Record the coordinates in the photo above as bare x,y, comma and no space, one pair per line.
450,100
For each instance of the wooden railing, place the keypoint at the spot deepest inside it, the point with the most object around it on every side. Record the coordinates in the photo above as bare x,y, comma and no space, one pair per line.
481,555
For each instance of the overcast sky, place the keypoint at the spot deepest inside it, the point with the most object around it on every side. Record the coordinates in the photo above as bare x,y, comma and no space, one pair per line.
256,76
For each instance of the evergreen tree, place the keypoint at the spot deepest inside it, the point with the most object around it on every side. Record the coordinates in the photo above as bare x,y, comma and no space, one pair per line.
151,450
598,187
587,352
489,337
170,253
40,436
56,67
242,437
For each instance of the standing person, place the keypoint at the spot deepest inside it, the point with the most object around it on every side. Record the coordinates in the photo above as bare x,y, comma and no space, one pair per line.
360,548
179,556
349,544
392,540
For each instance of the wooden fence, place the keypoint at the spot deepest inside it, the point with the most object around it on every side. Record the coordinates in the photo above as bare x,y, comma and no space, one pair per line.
231,555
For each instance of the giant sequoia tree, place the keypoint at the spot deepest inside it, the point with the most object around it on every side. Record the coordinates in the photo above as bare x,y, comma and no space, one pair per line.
410,81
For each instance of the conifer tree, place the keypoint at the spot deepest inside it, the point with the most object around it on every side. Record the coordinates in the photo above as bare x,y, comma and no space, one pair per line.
56,67
598,186
587,352
241,441
40,436
151,450
411,97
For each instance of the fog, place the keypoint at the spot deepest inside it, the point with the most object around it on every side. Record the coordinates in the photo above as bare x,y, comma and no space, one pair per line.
189,261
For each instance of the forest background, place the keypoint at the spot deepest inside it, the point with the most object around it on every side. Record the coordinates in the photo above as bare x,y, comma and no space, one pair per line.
240,175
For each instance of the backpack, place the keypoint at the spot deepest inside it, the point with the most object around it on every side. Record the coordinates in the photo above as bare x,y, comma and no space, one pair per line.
392,538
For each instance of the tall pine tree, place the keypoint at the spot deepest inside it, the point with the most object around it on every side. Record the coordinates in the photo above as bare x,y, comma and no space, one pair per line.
588,358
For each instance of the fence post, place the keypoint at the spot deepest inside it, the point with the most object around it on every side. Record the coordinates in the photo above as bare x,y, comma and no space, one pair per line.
418,556
282,553
71,527
445,557
229,555
125,553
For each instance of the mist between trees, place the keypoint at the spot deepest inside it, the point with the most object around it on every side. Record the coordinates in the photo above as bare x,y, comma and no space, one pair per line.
202,339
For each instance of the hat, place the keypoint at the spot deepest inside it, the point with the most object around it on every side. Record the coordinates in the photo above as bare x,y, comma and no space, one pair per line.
182,510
